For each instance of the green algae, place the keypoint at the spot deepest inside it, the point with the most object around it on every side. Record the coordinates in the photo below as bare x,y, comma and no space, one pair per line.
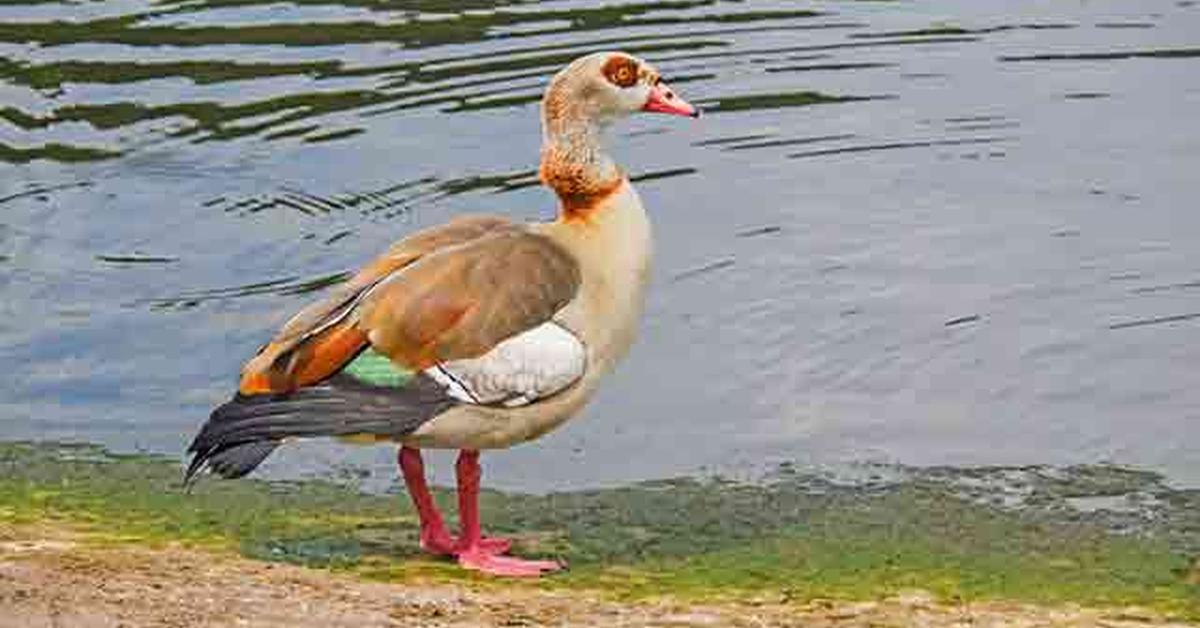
795,537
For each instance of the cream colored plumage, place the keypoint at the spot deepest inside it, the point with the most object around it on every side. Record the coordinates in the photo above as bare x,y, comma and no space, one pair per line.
614,250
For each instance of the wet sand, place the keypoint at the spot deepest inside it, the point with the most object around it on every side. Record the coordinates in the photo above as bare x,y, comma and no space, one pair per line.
48,580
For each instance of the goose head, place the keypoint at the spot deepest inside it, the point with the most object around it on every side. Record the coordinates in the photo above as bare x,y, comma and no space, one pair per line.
602,87
580,102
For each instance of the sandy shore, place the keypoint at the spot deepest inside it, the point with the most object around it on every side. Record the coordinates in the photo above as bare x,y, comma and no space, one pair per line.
56,582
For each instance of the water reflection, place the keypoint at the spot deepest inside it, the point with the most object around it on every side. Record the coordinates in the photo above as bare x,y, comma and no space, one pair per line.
942,233
285,287
1173,53
336,78
863,148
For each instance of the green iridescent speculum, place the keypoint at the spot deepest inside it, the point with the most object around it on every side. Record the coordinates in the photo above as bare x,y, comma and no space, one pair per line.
376,369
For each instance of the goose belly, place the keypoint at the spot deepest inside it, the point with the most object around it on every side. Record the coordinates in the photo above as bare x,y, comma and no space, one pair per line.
512,394
614,253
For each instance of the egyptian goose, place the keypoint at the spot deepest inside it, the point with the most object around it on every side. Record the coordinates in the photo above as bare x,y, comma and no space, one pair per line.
477,334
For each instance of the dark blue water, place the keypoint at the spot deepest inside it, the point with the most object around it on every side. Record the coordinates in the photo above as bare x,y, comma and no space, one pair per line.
928,233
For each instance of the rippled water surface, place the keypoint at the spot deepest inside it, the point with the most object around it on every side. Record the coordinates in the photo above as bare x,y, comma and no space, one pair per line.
929,233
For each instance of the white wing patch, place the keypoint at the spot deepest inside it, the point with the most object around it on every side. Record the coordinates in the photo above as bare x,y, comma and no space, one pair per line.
518,371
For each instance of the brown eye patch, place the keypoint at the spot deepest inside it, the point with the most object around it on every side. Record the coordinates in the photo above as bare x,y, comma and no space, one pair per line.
621,71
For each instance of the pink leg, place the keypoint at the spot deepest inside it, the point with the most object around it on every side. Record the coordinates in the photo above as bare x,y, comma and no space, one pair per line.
435,539
471,550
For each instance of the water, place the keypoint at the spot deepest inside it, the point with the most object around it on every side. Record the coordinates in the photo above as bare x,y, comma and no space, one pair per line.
934,233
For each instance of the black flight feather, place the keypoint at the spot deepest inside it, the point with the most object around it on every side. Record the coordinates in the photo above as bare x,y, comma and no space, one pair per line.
242,432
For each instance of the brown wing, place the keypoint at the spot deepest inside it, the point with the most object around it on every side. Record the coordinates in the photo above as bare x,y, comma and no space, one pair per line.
461,301
319,339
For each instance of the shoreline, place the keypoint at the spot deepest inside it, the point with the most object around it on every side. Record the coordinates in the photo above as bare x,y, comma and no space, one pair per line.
59,582
1087,546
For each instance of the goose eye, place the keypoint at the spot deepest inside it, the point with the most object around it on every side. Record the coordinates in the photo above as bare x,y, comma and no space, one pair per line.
621,71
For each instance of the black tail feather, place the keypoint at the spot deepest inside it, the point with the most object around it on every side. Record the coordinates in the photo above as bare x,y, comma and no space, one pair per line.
242,432
233,461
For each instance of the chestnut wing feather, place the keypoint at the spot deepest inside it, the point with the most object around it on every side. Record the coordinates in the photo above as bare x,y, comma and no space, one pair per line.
399,255
320,338
462,301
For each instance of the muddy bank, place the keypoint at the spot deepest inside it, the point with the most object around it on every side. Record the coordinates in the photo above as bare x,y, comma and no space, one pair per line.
54,581
984,540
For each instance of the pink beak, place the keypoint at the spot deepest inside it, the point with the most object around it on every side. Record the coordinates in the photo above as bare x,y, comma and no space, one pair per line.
663,100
